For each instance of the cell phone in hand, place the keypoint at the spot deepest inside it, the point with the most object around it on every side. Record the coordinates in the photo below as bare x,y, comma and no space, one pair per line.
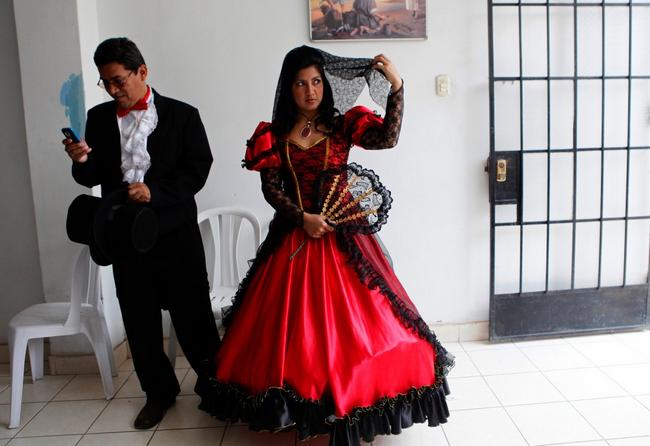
70,134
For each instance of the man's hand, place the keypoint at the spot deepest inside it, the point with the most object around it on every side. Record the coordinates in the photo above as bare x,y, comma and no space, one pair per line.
139,193
77,151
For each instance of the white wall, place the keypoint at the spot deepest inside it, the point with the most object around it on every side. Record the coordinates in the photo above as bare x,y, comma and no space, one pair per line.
20,273
51,36
225,58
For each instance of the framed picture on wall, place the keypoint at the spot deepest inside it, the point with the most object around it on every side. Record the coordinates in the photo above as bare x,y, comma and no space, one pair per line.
367,19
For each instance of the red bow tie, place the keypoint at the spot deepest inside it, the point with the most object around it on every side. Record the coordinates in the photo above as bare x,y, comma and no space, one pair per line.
140,105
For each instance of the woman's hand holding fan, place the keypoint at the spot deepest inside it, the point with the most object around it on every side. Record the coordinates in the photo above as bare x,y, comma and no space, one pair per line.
352,200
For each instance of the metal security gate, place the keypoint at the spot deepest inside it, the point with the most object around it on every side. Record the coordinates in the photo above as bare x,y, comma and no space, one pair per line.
569,166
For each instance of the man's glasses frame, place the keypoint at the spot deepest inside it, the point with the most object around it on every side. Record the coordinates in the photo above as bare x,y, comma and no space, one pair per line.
118,82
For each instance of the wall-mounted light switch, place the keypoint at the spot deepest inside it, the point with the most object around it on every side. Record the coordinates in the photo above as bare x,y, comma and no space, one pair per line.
443,85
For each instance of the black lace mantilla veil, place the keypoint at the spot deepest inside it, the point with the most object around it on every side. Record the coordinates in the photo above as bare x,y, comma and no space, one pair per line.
347,77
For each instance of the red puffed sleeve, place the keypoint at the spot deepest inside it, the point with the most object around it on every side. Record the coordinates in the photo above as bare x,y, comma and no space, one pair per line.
368,130
357,121
261,152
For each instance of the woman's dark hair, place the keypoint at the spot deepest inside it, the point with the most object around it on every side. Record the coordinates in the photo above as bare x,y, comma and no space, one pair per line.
120,50
286,111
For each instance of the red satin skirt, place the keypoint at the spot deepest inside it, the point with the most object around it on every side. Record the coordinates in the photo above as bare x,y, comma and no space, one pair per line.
310,324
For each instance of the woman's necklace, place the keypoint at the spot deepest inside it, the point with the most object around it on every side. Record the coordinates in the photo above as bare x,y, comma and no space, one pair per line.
305,132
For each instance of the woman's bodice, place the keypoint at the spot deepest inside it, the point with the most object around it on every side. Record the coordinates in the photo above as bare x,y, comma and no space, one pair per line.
302,166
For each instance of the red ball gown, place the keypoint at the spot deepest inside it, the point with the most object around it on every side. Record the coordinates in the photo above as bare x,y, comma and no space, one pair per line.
326,341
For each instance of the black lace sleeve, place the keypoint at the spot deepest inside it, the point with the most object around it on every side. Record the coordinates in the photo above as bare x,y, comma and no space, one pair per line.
386,136
276,197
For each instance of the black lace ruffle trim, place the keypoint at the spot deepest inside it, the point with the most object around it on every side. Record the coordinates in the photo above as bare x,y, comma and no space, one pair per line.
282,408
373,280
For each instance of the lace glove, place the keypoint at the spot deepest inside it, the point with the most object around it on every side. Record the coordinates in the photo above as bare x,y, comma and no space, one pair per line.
276,197
386,136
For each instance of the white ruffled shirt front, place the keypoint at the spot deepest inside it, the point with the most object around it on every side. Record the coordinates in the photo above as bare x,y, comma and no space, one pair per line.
135,127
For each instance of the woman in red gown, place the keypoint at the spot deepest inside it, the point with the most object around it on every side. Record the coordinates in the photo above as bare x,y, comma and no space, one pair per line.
322,336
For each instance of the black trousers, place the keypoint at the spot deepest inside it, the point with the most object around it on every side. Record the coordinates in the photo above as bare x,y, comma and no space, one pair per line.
171,276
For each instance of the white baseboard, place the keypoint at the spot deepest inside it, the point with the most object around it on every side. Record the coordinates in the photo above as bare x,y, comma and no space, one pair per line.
468,331
82,364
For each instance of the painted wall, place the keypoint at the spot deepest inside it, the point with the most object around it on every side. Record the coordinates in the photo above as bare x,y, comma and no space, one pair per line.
51,37
225,58
20,272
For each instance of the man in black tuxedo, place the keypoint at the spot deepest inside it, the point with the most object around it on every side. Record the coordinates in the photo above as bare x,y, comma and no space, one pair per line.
156,150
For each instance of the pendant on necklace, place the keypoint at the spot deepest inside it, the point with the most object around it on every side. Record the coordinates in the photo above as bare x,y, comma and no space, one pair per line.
306,130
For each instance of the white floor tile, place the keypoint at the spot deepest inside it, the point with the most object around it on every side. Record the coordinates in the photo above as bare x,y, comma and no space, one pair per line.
482,427
586,339
611,353
638,441
187,386
452,347
556,357
470,393
540,342
88,387
501,361
61,440
194,437
416,435
616,417
140,438
126,366
64,418
584,443
633,378
471,346
27,412
640,342
645,400
579,384
241,436
42,390
524,388
3,442
182,363
131,388
464,366
551,423
118,416
185,414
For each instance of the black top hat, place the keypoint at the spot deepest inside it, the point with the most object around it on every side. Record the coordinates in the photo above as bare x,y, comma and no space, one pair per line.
112,227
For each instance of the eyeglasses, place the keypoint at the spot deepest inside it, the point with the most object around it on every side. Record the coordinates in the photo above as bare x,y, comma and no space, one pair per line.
118,82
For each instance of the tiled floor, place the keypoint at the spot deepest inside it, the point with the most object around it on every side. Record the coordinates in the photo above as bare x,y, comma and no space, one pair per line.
581,391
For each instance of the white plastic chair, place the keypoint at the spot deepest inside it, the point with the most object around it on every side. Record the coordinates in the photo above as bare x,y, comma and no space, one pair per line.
82,314
221,233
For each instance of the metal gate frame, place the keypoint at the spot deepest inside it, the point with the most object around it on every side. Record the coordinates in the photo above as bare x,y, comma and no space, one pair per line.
527,315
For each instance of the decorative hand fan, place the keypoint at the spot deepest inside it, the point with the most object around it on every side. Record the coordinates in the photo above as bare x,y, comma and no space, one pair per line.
353,200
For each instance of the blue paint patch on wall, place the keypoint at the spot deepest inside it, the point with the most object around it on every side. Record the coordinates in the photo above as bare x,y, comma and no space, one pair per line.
72,99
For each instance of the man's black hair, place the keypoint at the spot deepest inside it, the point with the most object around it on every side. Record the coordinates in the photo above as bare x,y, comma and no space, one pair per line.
121,50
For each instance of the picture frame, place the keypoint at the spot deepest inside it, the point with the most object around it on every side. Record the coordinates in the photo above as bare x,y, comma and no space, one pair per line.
338,20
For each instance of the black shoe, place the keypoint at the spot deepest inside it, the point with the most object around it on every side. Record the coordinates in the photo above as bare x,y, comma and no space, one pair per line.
151,414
